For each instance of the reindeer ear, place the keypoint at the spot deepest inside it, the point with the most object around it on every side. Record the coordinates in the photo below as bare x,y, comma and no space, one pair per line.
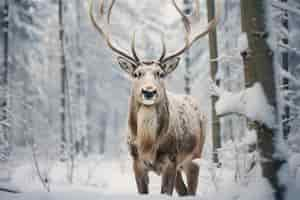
170,65
127,65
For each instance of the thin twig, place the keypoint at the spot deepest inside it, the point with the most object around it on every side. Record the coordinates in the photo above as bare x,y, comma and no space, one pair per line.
43,180
9,190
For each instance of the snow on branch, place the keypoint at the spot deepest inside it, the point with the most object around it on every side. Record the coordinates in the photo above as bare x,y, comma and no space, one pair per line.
289,76
283,6
295,50
251,103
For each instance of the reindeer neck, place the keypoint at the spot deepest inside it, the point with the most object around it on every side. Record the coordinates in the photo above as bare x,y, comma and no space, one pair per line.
160,110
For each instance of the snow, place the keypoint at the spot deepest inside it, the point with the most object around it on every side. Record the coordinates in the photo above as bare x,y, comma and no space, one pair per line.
101,177
79,195
243,42
290,176
294,164
250,102
95,178
108,177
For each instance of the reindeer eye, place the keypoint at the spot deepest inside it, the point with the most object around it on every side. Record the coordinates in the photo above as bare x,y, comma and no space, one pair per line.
160,74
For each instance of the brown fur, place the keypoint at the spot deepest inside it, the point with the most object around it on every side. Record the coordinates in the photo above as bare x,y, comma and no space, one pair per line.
147,128
165,152
164,136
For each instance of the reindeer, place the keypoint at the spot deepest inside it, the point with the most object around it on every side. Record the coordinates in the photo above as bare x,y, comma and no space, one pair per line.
166,131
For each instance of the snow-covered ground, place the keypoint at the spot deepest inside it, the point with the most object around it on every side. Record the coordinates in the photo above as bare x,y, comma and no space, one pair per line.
110,178
95,178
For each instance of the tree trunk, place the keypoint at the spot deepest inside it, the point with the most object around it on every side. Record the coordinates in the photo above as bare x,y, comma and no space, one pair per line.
67,137
187,76
81,84
4,134
213,50
102,133
258,59
63,81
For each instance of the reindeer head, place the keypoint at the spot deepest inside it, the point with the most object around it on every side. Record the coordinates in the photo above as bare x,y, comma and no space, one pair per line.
148,76
148,79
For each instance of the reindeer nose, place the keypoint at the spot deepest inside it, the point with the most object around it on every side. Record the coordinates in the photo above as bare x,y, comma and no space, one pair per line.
149,92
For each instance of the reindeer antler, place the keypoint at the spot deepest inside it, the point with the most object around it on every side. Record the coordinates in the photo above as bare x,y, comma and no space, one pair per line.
189,39
106,34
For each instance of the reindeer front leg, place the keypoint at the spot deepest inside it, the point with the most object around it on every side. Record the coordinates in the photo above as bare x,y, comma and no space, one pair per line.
192,174
168,179
141,176
180,185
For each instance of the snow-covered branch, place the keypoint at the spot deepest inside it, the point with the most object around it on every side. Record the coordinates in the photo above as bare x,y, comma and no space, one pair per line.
251,103
286,7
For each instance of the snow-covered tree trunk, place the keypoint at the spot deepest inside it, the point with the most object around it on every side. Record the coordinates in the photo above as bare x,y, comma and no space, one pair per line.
258,59
67,138
102,132
294,69
230,71
5,137
81,84
213,49
4,134
63,110
285,65
292,98
188,7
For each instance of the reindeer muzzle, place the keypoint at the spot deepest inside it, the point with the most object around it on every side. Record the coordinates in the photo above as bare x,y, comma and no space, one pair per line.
149,94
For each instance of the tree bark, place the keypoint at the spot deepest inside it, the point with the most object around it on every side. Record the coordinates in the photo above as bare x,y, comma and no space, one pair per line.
63,87
4,70
4,98
67,137
213,50
102,133
81,84
187,76
258,59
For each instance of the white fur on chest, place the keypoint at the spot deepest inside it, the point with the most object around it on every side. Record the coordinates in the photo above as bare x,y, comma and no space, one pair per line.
147,122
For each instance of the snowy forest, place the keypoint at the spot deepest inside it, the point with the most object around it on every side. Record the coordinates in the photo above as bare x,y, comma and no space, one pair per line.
64,103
